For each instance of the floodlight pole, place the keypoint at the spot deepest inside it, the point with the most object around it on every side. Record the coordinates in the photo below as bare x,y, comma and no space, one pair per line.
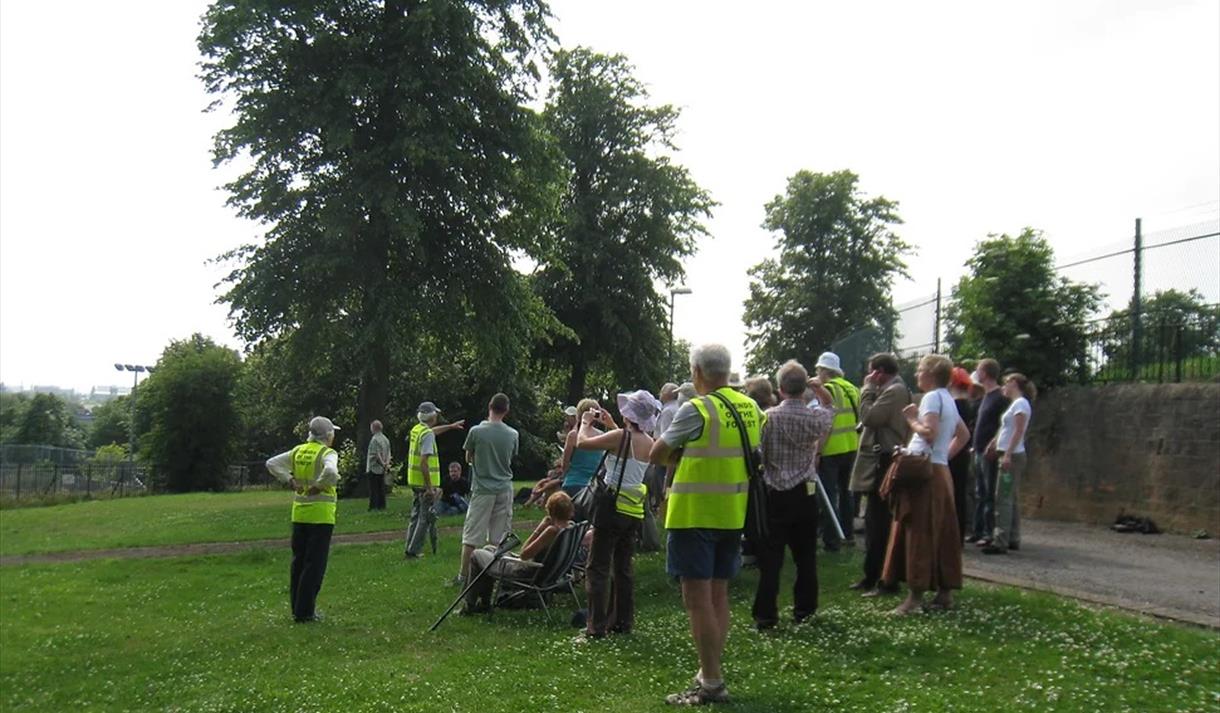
669,363
136,370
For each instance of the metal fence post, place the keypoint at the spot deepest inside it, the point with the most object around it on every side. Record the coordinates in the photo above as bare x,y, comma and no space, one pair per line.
936,327
1137,330
19,467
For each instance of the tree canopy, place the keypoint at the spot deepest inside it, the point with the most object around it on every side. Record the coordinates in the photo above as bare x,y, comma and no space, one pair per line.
838,257
629,215
397,172
192,407
1014,307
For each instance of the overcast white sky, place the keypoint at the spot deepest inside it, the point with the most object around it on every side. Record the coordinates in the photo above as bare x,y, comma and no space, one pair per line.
1074,117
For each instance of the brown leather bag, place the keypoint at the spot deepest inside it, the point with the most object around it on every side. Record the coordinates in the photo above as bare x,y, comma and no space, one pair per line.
907,470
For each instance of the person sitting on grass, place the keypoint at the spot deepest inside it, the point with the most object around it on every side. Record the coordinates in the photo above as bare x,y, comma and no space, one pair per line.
454,492
559,511
546,486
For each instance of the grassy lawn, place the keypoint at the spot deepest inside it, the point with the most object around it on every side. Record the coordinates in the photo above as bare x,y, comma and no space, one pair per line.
214,634
180,519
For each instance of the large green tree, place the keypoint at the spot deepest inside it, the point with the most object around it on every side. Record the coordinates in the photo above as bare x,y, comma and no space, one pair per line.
191,403
1014,307
397,172
630,214
838,257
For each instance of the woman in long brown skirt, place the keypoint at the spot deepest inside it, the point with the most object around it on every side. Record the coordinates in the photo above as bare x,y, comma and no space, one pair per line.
925,543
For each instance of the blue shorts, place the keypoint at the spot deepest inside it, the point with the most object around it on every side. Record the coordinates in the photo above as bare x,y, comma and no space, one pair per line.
703,553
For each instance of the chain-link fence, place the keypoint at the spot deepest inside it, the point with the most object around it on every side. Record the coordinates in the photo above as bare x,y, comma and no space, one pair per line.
30,472
1137,345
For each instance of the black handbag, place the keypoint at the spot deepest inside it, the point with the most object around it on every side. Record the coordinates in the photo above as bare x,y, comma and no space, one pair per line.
585,503
582,503
605,499
756,528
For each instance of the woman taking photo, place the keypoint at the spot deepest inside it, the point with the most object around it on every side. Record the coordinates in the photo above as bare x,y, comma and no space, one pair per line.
925,544
579,464
1010,447
610,576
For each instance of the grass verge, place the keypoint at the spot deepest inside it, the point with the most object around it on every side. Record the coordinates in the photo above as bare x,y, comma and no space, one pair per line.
181,519
214,634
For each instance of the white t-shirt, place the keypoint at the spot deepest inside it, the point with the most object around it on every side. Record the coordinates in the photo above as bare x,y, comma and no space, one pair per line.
938,401
1008,425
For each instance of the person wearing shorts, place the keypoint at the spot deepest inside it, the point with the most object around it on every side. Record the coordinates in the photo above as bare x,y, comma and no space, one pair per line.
706,509
490,449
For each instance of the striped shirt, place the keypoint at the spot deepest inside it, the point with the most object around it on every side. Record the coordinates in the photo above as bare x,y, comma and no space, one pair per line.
790,440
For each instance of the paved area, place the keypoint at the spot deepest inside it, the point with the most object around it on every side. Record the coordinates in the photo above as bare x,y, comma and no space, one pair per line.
1169,576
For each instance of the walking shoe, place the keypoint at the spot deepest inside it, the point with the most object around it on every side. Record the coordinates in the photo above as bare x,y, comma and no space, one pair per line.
697,695
765,624
458,581
880,591
984,542
972,539
863,584
410,556
993,550
1014,546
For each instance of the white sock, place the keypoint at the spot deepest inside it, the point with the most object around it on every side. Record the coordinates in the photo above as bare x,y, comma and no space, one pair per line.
710,684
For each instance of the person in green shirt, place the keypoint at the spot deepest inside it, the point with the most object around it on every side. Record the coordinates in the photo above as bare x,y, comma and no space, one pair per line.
490,448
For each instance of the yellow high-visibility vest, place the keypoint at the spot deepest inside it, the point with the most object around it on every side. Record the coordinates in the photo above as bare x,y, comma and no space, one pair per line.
316,509
846,405
631,501
415,473
711,485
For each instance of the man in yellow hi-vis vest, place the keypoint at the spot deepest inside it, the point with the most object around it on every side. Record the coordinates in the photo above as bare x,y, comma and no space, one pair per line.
838,453
707,509
312,469
424,477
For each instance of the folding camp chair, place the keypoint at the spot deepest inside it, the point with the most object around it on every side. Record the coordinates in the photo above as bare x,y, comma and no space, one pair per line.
554,574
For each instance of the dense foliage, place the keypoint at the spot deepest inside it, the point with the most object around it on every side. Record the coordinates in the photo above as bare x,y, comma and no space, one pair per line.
629,216
1014,307
194,415
838,257
398,173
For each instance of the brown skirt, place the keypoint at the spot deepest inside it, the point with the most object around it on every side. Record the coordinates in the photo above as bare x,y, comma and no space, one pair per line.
925,547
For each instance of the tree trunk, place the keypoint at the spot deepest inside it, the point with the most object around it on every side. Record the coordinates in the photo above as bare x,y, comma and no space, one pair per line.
576,380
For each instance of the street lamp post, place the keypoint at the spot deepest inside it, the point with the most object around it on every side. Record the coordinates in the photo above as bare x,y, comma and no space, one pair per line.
136,370
669,364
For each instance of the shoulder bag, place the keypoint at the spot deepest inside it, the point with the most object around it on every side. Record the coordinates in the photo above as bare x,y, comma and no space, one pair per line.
756,527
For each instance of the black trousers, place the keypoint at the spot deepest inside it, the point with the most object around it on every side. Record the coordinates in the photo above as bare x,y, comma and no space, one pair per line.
376,491
310,550
610,575
792,516
877,520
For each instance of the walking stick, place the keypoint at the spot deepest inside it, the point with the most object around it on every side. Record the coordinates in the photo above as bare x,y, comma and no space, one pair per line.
834,516
507,543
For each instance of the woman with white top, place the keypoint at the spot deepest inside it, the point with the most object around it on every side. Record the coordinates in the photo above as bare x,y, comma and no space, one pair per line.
925,543
612,598
1010,447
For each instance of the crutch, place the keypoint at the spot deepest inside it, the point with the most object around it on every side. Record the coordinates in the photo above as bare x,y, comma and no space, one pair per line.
507,543
834,516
